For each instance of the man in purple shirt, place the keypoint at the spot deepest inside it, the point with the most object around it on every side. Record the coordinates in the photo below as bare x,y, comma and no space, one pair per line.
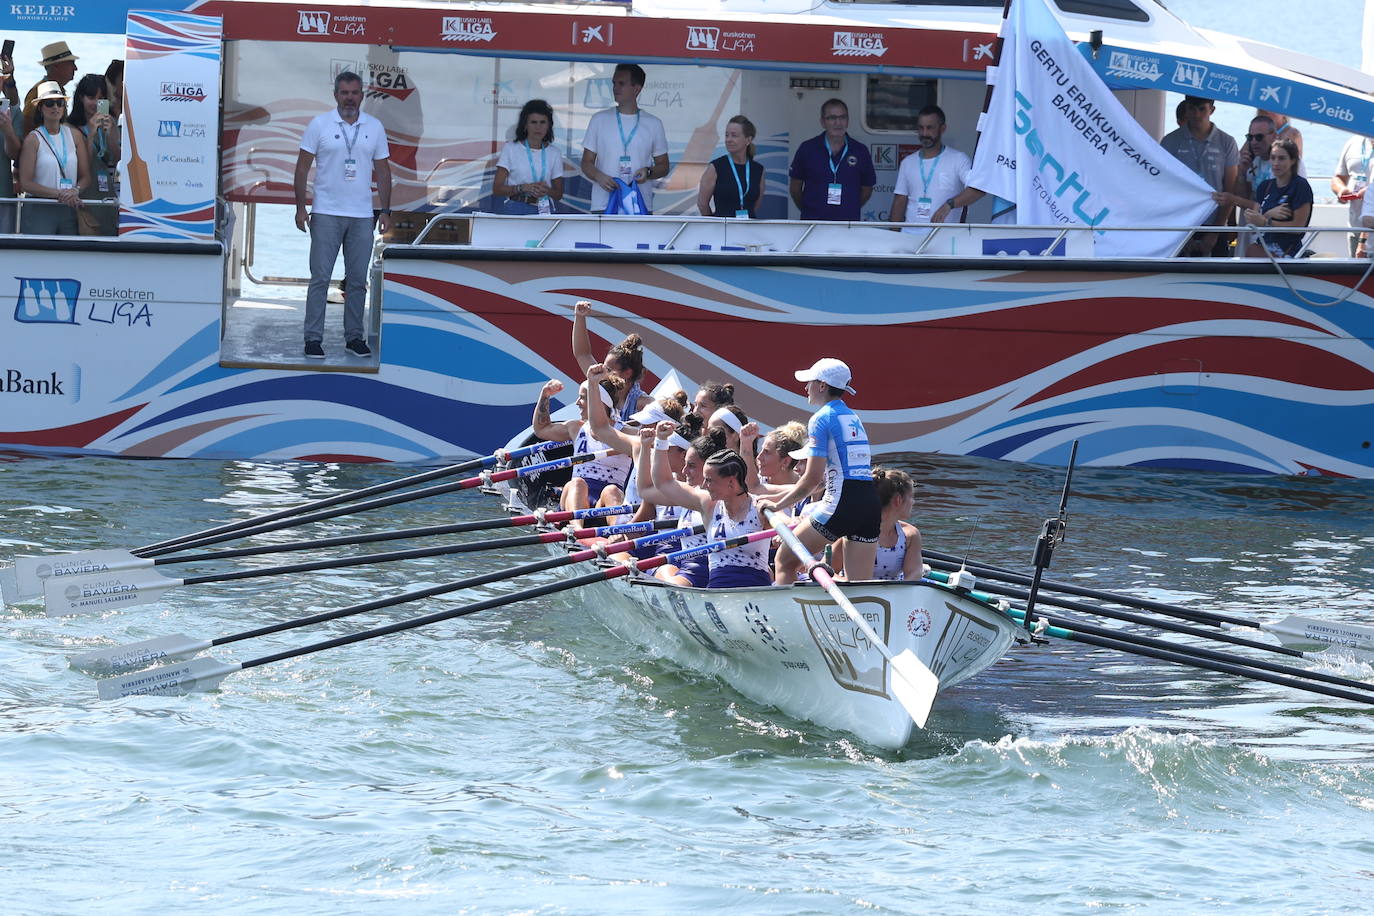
832,174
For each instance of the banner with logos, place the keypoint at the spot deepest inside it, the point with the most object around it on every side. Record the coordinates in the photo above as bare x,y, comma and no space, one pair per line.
171,126
1124,68
1058,144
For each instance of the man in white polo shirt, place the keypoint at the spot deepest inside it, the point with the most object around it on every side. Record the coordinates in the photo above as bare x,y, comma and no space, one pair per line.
348,149
624,142
931,182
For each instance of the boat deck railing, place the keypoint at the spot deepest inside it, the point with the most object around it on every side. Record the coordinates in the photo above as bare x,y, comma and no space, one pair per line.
20,204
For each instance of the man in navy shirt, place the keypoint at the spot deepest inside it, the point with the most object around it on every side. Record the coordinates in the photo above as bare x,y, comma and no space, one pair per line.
832,174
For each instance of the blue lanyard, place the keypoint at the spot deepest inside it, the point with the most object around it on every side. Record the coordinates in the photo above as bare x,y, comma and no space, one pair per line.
624,140
357,126
543,165
61,160
925,179
745,192
834,166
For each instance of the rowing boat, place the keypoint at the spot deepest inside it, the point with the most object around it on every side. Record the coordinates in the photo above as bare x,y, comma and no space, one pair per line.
795,649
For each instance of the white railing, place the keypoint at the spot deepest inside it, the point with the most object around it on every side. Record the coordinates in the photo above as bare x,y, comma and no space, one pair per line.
21,203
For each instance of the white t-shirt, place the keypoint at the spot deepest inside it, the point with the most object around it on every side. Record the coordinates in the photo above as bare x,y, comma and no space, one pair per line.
938,179
328,138
1354,162
646,140
516,158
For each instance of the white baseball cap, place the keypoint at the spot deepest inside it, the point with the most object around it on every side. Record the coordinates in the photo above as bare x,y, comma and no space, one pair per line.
829,370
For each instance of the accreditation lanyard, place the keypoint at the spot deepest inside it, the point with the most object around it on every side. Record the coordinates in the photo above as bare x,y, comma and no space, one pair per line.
350,164
924,205
62,159
834,194
743,211
1365,153
545,205
625,170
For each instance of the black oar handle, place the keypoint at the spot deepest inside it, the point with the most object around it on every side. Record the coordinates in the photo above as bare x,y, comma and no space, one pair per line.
1006,575
1127,616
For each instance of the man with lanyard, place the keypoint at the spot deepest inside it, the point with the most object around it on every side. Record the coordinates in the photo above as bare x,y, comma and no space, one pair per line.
1213,156
934,178
348,148
836,451
832,174
1349,181
624,142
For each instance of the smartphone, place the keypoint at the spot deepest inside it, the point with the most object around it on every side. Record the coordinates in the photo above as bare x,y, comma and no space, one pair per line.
102,106
7,50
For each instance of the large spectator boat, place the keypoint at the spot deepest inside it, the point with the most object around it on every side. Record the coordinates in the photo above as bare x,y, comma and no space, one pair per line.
980,339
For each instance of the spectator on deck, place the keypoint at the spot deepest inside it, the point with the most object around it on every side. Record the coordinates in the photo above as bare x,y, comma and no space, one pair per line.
1282,201
733,184
1283,128
931,183
1349,180
832,174
102,146
59,64
529,174
624,142
11,133
52,165
1212,154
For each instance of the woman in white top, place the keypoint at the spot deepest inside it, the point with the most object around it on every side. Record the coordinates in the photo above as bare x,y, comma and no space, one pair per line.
53,164
725,503
600,482
529,172
899,542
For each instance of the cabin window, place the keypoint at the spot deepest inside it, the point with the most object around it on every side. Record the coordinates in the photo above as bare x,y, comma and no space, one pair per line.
1127,10
891,102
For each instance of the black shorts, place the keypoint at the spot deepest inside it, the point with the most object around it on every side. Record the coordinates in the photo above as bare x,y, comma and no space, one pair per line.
858,516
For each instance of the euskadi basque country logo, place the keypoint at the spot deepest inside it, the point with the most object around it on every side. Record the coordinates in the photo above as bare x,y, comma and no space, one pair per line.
174,91
467,28
858,44
47,300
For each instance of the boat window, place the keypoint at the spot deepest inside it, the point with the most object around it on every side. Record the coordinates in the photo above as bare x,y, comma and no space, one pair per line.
1126,10
891,102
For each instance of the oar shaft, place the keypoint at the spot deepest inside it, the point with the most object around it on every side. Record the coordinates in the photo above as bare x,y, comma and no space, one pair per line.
1006,575
1125,616
377,489
382,502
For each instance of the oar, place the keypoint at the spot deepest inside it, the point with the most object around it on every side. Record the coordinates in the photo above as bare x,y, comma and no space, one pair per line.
31,571
165,648
135,587
913,684
131,562
375,490
1294,631
207,673
1152,642
940,570
132,656
1193,661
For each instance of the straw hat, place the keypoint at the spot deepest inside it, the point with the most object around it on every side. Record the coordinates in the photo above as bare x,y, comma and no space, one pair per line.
56,53
50,89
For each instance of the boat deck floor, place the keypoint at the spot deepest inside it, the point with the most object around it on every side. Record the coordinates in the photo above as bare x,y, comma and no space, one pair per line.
266,333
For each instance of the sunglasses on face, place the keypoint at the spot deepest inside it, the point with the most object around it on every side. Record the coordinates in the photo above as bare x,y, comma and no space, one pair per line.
53,103
1256,136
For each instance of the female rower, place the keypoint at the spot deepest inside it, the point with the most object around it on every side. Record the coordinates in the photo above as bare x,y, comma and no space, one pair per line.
729,510
600,482
625,360
729,419
694,572
711,397
670,409
899,543
837,452
529,173
733,184
772,469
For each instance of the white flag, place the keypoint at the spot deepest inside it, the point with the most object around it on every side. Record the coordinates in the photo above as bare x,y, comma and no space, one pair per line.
1058,144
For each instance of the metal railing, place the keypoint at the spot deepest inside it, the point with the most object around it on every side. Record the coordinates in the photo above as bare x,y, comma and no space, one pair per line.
21,203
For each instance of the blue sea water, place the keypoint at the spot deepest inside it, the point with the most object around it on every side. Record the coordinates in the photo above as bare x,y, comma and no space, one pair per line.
526,760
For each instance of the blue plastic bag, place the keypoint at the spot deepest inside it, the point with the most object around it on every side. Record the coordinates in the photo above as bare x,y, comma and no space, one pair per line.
626,200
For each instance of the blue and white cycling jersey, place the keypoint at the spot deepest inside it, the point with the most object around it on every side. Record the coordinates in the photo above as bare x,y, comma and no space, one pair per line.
837,434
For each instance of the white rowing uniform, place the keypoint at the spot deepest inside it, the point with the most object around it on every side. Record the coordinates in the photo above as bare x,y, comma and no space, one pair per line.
890,560
732,568
608,468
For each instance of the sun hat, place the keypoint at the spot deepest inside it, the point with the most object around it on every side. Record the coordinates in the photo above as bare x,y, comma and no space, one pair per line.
829,370
49,89
56,53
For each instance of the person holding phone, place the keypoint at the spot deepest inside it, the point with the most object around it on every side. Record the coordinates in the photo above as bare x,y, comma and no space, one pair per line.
91,115
10,139
53,164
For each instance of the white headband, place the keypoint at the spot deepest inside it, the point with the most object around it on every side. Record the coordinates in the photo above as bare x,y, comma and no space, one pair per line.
676,441
605,395
726,416
650,415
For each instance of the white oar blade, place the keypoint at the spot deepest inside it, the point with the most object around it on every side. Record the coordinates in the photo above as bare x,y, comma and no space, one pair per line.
32,572
914,685
136,655
198,674
1312,634
110,591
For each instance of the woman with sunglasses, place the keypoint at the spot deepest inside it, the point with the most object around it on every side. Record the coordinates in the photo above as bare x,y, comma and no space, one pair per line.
102,146
53,164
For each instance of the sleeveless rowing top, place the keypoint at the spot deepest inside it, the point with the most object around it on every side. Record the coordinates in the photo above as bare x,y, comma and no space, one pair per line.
752,557
890,560
611,468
